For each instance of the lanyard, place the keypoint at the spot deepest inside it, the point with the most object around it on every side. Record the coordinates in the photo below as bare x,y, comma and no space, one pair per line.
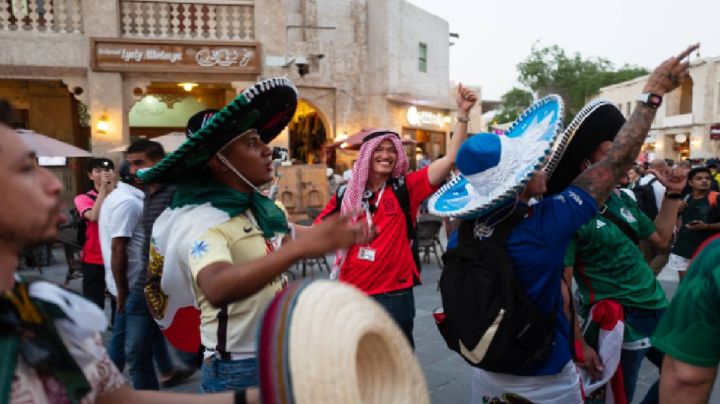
368,215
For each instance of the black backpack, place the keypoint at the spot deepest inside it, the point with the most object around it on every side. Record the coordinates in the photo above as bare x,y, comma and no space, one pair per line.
399,187
488,318
645,196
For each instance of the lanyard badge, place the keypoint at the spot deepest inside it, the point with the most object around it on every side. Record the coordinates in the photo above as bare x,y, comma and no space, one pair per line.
367,253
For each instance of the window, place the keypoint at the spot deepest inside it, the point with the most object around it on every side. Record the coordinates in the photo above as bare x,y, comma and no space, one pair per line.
422,60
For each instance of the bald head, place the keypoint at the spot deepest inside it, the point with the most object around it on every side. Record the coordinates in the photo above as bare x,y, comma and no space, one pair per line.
658,164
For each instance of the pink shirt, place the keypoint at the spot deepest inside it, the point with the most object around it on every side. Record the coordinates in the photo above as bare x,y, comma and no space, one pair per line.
91,252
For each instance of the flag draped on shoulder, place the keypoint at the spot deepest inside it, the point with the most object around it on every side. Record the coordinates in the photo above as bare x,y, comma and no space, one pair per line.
169,290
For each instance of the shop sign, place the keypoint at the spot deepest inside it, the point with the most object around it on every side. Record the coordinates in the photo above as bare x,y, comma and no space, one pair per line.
135,55
715,131
416,117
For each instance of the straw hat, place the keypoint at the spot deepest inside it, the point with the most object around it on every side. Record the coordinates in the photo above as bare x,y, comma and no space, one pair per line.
494,168
326,342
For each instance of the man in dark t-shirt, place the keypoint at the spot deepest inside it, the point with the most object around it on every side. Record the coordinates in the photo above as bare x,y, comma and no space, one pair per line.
697,222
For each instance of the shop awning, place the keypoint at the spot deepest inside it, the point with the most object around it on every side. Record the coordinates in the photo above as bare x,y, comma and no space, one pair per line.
170,142
45,146
354,141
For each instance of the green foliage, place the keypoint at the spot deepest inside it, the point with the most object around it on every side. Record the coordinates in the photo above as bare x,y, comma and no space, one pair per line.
549,70
514,102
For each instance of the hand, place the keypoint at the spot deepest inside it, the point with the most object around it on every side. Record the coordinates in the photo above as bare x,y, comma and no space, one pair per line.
592,364
108,180
335,232
682,206
670,74
120,300
673,179
697,225
465,99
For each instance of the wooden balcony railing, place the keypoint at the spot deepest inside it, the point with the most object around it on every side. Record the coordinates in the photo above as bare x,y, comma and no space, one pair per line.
199,19
59,16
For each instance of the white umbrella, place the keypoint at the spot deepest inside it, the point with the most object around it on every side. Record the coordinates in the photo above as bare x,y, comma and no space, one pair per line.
48,147
170,142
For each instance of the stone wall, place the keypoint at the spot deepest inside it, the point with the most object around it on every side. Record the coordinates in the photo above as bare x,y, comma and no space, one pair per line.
671,119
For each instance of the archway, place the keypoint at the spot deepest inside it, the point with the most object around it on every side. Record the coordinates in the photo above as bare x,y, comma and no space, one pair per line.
307,132
164,107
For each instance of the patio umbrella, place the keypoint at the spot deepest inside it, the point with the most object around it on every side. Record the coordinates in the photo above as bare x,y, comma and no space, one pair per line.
45,146
354,141
170,142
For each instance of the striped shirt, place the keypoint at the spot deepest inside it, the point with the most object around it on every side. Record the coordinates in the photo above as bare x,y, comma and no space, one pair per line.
154,204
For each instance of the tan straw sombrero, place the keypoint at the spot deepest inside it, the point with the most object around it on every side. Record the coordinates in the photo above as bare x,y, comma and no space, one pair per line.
326,342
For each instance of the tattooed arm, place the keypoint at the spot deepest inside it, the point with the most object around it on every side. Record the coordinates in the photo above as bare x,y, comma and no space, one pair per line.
599,179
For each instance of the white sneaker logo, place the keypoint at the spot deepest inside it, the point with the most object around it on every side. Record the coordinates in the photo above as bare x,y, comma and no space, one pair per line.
599,224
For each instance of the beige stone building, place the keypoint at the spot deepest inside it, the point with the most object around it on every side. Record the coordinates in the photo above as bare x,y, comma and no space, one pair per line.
687,124
100,73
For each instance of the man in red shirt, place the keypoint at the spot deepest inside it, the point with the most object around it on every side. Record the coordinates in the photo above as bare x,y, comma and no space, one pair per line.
101,173
385,268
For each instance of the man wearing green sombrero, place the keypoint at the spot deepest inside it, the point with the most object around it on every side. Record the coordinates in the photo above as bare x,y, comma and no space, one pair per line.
215,256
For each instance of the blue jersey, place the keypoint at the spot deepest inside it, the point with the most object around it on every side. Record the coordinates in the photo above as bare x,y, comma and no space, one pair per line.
537,248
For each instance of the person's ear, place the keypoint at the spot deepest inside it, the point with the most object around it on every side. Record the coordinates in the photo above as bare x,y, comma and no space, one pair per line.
216,165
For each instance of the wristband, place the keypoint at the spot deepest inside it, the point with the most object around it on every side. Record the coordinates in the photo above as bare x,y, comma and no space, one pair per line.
463,119
652,100
240,396
673,195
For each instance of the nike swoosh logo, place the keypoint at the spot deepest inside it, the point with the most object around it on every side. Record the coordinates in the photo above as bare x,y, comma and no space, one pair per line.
247,229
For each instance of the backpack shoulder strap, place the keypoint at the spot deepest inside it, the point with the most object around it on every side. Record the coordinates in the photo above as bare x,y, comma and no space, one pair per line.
402,194
338,199
621,224
713,198
503,229
399,187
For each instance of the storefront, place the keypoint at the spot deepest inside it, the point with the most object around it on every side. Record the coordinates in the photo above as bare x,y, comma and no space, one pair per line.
428,126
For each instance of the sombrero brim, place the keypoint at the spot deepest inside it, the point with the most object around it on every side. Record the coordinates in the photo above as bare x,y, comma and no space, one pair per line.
539,125
326,342
267,106
598,121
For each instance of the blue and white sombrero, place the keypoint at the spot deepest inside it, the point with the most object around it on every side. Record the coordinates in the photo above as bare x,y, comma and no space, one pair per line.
495,168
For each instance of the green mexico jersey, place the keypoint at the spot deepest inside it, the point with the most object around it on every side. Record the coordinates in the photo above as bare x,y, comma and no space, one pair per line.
607,265
690,329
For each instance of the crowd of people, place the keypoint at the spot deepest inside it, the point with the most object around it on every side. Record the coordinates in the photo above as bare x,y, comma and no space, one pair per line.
191,254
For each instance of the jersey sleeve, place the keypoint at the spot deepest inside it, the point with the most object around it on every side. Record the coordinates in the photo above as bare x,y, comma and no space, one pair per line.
690,328
83,203
569,260
561,215
419,187
209,248
328,209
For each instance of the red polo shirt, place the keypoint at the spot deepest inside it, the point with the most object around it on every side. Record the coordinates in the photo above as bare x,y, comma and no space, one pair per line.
393,267
91,252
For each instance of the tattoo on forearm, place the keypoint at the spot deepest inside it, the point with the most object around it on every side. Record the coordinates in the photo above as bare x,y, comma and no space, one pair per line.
600,179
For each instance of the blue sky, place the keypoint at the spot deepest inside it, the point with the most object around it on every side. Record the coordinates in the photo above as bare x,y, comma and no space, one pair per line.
495,36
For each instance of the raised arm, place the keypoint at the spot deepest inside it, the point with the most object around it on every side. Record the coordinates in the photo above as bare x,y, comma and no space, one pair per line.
440,168
600,179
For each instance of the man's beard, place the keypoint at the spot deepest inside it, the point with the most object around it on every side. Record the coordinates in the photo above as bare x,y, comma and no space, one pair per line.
32,235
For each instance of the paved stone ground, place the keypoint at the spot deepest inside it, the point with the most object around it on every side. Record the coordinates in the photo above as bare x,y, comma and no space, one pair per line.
448,376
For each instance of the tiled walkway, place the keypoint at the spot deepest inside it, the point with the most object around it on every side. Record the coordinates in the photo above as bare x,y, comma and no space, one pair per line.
448,376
